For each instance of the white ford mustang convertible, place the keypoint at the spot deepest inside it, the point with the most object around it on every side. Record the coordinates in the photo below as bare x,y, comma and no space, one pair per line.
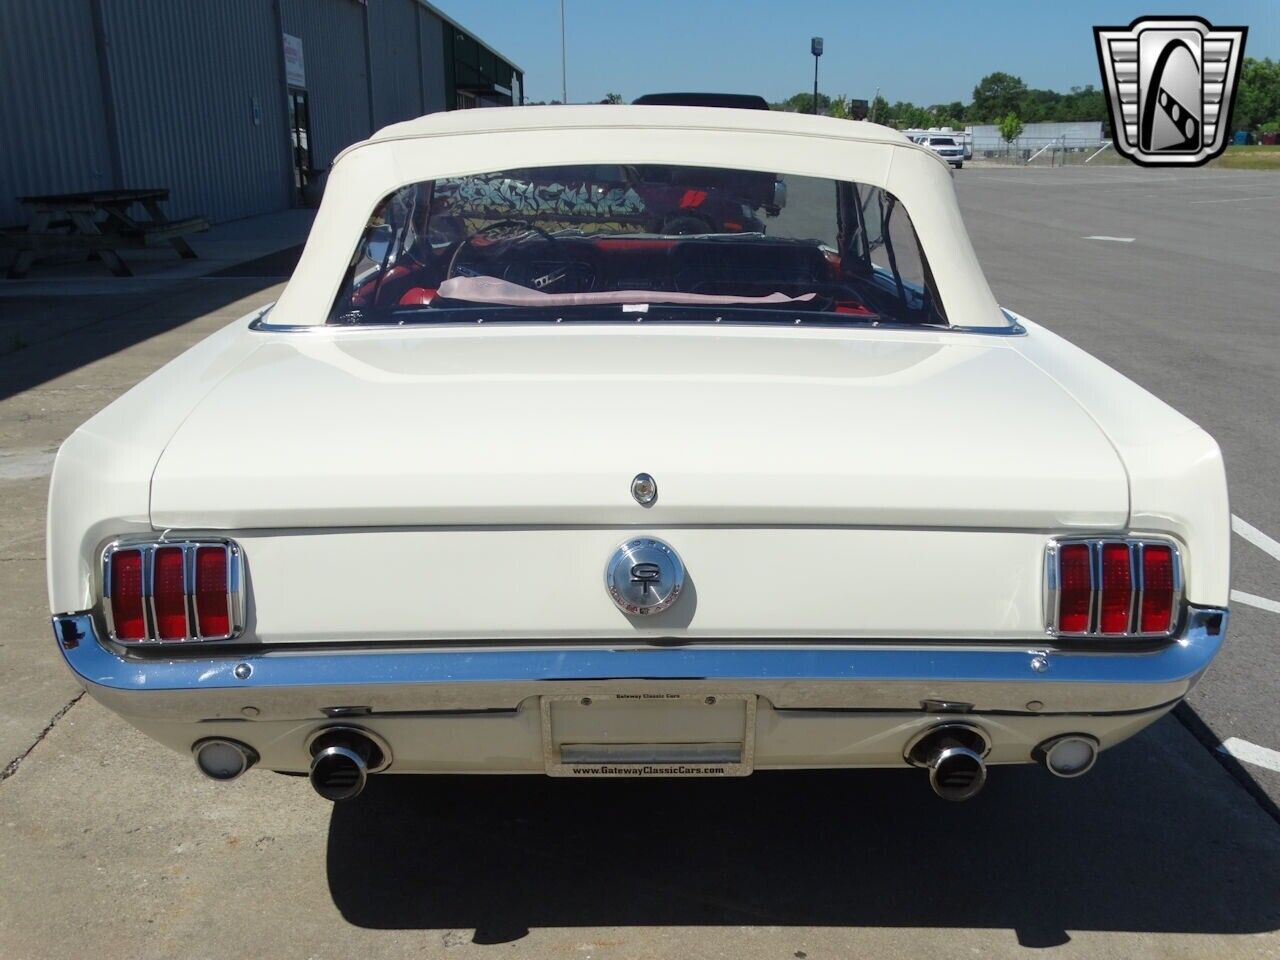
637,441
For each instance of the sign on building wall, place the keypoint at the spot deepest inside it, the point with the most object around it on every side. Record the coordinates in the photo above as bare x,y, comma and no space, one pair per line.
295,69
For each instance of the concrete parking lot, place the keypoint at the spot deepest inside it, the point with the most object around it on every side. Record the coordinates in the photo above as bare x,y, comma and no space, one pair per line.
111,845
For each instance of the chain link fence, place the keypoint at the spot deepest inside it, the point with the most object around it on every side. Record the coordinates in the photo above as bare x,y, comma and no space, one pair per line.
1061,152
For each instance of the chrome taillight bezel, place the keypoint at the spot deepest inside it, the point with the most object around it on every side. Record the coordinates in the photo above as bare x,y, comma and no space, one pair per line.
1136,545
189,546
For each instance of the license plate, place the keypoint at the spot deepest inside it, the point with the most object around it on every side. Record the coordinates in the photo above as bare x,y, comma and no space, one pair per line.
649,734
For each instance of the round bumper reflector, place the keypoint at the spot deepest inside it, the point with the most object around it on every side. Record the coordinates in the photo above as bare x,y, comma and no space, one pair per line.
220,759
1070,755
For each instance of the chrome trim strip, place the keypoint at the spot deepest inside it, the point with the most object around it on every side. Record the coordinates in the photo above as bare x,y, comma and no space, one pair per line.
260,324
303,683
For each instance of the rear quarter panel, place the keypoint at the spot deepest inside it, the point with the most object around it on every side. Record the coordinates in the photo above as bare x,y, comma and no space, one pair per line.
101,483
1177,480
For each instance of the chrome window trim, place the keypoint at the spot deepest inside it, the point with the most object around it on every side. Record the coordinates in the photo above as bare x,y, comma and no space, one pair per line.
1137,544
260,324
148,546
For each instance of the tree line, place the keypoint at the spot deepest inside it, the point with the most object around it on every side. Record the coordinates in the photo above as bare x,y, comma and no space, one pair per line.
1000,96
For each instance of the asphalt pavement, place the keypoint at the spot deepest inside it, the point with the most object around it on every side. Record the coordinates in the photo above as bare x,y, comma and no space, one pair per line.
109,844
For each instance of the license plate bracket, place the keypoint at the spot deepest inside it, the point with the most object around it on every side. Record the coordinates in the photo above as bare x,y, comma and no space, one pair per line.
649,734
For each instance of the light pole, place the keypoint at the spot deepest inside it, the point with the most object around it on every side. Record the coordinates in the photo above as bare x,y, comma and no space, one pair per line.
564,72
815,47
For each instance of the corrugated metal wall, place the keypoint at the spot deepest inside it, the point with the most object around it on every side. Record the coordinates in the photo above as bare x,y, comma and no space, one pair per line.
393,38
53,136
189,94
333,50
201,104
431,32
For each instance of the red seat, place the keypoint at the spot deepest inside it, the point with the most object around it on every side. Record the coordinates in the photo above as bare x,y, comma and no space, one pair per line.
416,296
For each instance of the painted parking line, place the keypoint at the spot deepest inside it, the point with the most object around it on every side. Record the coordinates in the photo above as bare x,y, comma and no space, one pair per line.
1270,196
1251,753
1252,600
1255,536
1112,239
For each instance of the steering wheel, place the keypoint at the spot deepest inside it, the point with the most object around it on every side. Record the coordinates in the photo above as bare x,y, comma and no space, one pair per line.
464,248
511,258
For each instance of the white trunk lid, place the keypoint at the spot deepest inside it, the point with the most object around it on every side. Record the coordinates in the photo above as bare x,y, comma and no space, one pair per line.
549,426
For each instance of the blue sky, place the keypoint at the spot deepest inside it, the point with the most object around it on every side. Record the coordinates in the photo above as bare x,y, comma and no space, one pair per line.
925,52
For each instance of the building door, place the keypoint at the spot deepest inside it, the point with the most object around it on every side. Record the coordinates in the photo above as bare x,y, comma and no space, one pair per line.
300,134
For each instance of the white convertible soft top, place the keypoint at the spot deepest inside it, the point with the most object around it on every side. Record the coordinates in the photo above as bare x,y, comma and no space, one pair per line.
480,141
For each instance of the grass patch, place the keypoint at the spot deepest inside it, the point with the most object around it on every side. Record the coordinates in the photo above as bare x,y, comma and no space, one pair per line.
1257,157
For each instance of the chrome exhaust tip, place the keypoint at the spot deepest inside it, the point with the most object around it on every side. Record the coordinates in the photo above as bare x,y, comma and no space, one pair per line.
339,773
953,754
957,773
342,759
221,759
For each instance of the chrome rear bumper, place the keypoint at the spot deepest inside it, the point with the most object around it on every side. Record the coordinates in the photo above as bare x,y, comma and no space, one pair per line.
283,684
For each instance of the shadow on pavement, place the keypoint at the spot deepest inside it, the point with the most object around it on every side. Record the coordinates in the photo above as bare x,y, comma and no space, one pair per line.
278,266
1155,839
45,337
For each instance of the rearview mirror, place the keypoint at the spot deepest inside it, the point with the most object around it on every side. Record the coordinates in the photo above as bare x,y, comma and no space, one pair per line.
379,242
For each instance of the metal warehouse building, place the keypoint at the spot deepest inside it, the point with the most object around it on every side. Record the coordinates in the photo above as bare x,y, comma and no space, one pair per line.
233,105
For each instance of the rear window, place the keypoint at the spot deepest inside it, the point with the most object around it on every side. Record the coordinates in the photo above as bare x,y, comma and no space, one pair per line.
943,142
655,243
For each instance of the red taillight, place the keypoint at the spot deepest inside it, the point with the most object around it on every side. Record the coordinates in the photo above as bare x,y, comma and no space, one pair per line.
194,593
212,614
169,593
1075,588
1117,589
128,618
1157,588
1113,588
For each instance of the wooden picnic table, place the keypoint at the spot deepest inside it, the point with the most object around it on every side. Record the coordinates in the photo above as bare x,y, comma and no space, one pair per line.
99,222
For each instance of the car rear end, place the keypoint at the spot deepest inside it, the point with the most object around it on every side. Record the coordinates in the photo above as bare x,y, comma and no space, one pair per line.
675,505
872,602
